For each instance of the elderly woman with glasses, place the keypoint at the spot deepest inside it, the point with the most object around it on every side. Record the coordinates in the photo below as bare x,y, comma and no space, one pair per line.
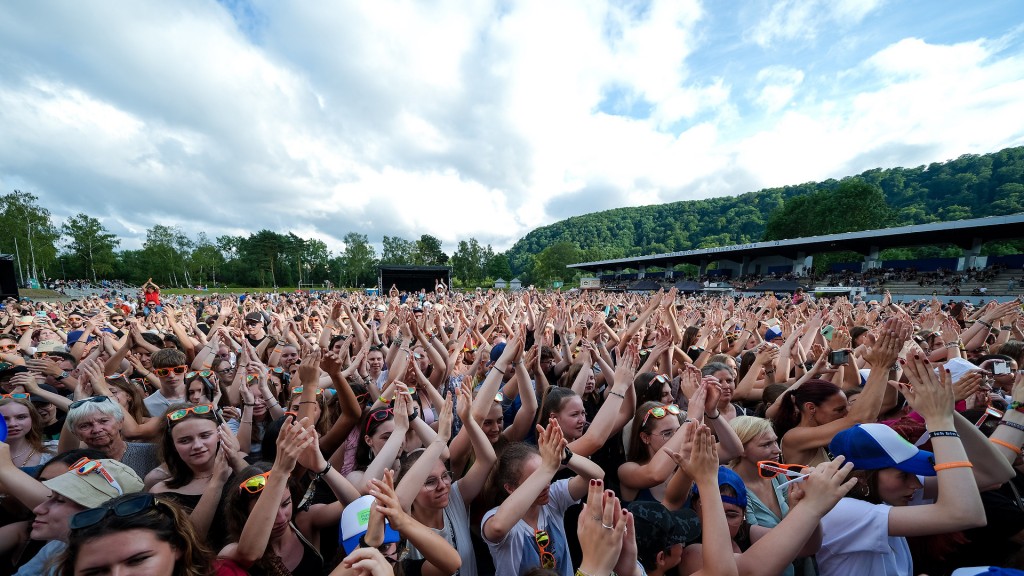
97,422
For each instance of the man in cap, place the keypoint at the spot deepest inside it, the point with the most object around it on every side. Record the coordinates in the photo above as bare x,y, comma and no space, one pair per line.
87,484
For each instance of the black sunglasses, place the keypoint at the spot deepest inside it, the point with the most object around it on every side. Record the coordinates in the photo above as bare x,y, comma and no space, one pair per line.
130,506
83,401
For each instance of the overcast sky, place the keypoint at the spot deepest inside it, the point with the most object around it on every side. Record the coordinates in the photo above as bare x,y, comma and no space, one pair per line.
481,118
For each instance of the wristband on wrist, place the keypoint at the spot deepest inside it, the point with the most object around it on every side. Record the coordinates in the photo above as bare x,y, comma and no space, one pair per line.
566,456
324,471
248,403
1013,425
951,465
944,433
619,394
1005,444
985,324
499,370
710,417
384,400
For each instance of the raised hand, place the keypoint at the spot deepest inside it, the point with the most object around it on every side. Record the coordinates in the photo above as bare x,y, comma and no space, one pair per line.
928,393
703,460
602,530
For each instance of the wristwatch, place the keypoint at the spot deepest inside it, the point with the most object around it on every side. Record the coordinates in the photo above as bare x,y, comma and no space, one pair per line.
63,374
566,456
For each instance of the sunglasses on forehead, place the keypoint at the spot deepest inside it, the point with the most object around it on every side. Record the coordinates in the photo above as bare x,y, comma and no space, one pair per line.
181,413
130,506
83,401
255,484
379,416
201,373
660,412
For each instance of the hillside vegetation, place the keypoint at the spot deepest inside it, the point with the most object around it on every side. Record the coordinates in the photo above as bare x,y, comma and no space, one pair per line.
970,186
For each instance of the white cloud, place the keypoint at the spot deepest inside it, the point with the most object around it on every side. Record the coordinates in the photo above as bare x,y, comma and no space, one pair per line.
484,119
804,20
780,84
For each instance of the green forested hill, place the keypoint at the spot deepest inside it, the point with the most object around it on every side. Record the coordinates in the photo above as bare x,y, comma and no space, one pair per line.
970,186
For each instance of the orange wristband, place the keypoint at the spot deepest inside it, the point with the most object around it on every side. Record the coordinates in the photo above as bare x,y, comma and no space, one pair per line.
1005,444
948,465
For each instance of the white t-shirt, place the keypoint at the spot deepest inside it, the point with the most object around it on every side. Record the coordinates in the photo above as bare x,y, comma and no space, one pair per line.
517,552
855,540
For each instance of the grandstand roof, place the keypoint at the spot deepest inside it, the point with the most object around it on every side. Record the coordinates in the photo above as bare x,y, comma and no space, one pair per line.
959,232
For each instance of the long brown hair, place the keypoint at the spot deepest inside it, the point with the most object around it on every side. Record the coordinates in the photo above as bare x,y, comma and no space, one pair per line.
181,473
34,435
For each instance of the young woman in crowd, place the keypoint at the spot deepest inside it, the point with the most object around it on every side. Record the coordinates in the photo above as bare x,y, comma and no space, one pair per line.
135,534
866,533
269,533
526,528
199,456
24,431
435,498
811,415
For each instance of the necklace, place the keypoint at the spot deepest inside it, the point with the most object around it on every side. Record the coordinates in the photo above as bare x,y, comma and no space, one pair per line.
30,452
203,477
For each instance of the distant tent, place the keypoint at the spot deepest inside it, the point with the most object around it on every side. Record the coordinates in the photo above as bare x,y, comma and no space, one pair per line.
689,286
644,286
778,286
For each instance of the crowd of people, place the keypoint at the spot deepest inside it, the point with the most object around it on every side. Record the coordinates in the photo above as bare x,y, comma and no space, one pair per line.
528,433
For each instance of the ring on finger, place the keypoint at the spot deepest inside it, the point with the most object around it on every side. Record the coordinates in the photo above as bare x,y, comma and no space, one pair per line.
603,525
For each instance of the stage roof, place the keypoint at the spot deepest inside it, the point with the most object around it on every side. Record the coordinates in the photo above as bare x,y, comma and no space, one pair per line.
959,232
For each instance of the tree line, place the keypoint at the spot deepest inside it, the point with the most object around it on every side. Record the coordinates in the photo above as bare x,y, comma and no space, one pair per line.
82,248
968,187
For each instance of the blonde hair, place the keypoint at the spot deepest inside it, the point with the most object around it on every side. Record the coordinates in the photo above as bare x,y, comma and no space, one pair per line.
747,428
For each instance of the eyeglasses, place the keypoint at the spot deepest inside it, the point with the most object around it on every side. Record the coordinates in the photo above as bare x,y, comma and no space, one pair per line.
253,323
87,466
8,347
162,372
660,412
255,484
379,416
298,390
547,559
771,469
198,410
16,395
130,506
434,481
117,320
84,401
203,373
362,398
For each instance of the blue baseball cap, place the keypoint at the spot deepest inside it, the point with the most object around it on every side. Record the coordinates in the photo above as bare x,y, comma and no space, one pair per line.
726,477
877,446
355,519
496,351
772,333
